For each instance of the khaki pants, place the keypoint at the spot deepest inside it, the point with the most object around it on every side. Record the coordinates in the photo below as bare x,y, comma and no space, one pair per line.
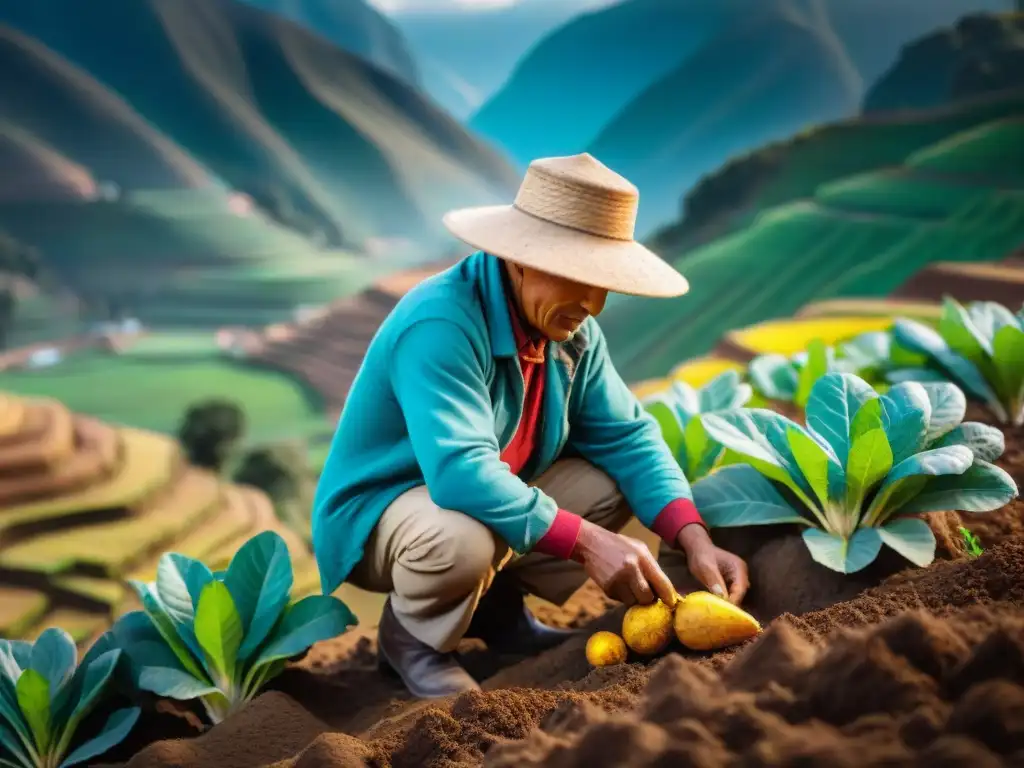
437,563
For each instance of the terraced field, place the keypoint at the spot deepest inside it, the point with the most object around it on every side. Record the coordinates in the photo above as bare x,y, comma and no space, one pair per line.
326,352
85,505
852,237
1002,282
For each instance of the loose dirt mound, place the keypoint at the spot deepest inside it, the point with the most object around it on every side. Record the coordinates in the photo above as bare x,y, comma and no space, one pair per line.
85,505
937,682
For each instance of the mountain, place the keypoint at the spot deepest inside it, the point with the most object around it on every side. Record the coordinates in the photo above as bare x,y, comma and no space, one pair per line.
604,59
764,79
314,134
355,26
465,55
978,54
847,210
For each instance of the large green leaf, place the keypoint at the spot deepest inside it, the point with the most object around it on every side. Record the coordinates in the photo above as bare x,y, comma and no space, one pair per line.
985,442
870,461
696,447
33,691
817,365
843,555
259,579
982,488
10,743
668,422
311,620
949,405
834,400
54,656
114,731
912,538
867,351
219,630
919,375
1009,363
989,316
813,462
724,393
166,627
920,338
179,580
774,376
897,490
959,332
738,496
906,410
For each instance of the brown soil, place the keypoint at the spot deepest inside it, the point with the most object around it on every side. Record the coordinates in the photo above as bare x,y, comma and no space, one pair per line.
1008,522
971,284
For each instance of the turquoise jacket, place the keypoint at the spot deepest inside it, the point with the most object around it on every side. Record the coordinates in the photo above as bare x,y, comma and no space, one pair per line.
438,397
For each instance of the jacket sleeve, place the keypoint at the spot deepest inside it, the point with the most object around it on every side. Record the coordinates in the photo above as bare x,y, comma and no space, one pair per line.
611,429
439,383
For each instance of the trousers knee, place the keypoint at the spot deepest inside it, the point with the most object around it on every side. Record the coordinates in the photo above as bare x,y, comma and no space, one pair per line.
455,558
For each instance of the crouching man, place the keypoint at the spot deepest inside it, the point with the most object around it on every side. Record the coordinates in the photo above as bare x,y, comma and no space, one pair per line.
488,448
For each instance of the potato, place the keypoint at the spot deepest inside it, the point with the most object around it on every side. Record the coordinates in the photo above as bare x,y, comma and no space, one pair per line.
605,648
706,622
647,629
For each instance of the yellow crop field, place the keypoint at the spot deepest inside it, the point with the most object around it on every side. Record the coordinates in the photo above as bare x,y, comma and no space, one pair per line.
701,370
81,625
916,310
148,463
12,415
20,608
111,546
649,387
107,591
787,337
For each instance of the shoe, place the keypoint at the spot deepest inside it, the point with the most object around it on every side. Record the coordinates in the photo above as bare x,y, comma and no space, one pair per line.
426,673
506,625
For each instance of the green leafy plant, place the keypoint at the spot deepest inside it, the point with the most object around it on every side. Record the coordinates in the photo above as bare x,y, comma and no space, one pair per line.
790,379
980,348
860,470
971,542
220,637
45,695
679,411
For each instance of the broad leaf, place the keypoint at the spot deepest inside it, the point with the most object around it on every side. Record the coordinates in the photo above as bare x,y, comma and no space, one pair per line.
982,488
176,577
259,579
918,337
949,405
910,537
870,461
835,398
894,492
696,446
54,656
906,410
219,631
166,627
723,393
738,496
114,731
843,555
774,376
664,414
93,680
311,620
867,418
817,365
10,742
1009,363
867,350
987,443
959,332
920,375
33,691
813,462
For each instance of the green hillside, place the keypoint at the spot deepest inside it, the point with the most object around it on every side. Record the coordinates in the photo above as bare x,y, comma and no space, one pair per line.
861,236
181,258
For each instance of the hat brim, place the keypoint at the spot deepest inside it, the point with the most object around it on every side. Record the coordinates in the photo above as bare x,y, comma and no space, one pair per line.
620,266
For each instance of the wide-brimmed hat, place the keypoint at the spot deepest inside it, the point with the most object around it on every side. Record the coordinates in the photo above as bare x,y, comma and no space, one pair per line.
573,217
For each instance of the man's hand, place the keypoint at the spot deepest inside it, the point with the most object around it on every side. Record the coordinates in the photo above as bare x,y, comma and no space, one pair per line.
713,567
623,567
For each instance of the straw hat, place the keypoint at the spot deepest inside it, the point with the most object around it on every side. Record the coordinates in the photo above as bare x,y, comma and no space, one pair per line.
573,217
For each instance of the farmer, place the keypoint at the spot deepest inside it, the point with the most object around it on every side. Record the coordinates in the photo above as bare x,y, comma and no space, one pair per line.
489,448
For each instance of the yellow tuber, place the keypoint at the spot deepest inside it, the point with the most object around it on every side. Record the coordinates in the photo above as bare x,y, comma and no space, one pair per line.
647,629
706,622
605,648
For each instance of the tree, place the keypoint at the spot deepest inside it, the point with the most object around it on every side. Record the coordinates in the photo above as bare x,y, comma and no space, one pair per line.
281,471
210,430
8,302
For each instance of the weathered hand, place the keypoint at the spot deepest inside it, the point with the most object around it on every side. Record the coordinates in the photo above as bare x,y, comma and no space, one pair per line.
714,567
623,567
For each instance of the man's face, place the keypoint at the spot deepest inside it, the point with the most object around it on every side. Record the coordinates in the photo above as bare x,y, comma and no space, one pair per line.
555,306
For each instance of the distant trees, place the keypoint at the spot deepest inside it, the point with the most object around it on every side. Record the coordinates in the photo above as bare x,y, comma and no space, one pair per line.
16,258
7,307
281,471
210,430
